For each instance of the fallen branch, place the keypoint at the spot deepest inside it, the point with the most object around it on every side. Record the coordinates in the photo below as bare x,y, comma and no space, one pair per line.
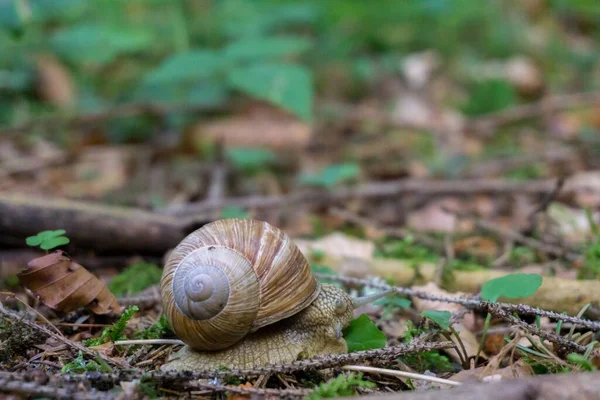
35,389
583,386
369,191
374,357
468,302
91,225
119,111
549,105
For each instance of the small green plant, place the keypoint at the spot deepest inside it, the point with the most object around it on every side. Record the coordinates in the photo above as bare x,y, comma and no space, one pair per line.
158,330
332,175
363,334
407,249
511,286
114,332
427,360
391,304
48,240
135,278
340,386
79,365
442,318
582,362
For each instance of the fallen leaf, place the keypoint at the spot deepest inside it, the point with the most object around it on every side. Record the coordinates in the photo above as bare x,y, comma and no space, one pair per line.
434,218
477,246
65,285
55,83
264,127
518,369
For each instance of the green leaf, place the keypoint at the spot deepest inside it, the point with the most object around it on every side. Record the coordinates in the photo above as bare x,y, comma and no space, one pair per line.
249,158
284,85
442,318
193,65
53,242
332,175
363,334
511,286
98,44
48,239
263,48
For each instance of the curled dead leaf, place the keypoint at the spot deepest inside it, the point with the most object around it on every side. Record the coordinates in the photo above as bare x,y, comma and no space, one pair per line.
64,285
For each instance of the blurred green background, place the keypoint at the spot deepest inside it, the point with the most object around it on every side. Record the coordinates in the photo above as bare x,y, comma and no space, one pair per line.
289,53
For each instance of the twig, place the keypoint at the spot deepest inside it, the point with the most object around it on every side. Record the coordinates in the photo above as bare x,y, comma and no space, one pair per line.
494,309
472,303
400,374
77,346
379,356
530,242
548,105
370,190
394,232
35,389
118,111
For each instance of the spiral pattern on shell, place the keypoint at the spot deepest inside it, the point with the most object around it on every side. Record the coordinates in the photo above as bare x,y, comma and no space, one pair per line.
232,277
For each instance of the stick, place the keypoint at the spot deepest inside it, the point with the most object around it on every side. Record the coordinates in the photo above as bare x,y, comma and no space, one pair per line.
91,225
371,190
119,111
551,104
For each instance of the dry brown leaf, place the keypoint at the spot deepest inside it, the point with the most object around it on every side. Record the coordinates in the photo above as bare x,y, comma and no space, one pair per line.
65,285
259,127
55,83
477,246
518,369
434,218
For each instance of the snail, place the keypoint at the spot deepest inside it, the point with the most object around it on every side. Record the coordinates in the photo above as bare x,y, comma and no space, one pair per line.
240,294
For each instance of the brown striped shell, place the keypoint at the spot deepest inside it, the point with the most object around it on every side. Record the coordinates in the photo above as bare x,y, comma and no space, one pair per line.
232,277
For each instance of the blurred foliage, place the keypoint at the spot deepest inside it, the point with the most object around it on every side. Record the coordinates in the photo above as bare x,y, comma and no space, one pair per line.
207,52
135,278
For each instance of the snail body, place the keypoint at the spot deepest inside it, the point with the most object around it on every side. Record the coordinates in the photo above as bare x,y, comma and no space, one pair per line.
239,293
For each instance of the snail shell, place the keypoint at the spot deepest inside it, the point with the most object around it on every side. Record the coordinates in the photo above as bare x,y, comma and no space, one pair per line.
232,277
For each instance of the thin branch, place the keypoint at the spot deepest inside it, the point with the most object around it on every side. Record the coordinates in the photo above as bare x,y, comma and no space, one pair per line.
119,111
370,190
549,105
472,302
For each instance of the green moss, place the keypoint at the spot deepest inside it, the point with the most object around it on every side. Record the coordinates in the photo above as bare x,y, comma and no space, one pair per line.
114,332
340,386
80,365
158,330
135,278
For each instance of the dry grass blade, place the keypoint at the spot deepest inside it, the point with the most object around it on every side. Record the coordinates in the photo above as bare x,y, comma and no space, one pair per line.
400,374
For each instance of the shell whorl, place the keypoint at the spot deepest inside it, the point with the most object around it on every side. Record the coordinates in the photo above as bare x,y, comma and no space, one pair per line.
231,277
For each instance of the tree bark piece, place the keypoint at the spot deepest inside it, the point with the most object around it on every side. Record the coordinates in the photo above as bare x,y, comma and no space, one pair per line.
90,225
585,386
